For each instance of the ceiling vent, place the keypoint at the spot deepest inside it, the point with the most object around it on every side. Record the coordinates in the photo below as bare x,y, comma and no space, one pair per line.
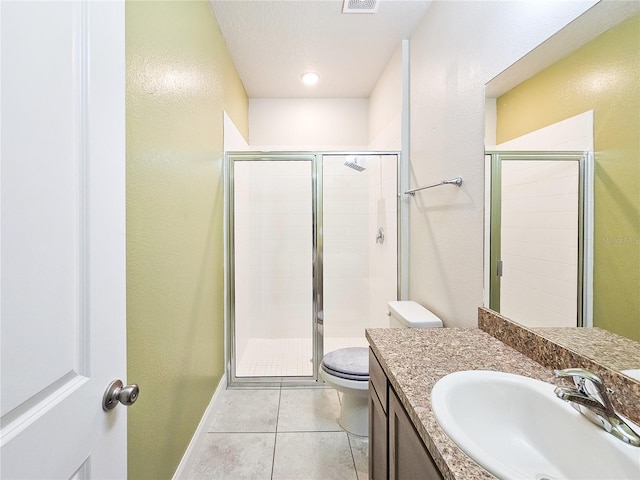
360,6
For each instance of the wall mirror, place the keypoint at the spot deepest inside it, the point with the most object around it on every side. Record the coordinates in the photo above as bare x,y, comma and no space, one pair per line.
577,92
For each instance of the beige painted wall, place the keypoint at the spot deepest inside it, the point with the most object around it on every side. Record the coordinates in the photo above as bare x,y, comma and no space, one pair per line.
453,55
603,75
179,80
385,107
307,124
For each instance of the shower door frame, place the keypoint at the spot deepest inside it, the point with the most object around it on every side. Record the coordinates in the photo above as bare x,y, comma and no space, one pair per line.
316,158
584,279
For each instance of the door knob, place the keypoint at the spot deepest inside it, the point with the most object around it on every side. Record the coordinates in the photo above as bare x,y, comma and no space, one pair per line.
116,392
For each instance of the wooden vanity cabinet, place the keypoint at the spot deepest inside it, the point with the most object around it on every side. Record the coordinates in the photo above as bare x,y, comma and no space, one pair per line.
408,457
396,451
378,423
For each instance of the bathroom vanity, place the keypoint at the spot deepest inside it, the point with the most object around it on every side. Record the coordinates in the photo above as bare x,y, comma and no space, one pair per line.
395,446
405,438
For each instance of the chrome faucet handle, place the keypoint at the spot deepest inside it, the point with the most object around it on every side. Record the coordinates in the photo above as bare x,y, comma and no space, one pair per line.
580,375
595,405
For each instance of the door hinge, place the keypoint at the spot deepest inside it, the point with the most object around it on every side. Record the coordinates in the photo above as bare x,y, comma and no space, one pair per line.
499,270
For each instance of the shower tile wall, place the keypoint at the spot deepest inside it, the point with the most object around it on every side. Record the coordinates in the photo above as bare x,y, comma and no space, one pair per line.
346,249
382,257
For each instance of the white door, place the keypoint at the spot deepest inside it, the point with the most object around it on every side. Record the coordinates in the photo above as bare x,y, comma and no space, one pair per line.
63,239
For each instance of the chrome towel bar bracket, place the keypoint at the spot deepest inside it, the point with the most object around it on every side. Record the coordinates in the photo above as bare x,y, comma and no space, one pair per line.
454,181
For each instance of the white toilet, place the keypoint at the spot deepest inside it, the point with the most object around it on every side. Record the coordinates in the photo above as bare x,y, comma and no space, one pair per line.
347,369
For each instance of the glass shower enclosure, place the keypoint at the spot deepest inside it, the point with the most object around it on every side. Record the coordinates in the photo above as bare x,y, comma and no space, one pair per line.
313,249
539,242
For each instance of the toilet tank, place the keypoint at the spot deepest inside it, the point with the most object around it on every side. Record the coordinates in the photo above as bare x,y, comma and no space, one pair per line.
409,314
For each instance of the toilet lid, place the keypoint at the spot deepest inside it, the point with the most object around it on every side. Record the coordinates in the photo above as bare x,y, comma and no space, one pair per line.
353,361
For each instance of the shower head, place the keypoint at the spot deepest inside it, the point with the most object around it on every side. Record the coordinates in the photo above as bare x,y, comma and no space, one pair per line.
355,162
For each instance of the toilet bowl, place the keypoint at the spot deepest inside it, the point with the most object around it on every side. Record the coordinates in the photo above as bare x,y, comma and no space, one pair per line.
347,369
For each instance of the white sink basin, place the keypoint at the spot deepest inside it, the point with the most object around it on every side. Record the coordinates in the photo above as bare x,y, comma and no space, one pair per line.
516,428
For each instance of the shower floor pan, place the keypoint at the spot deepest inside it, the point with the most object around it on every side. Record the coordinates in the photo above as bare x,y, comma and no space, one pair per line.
286,357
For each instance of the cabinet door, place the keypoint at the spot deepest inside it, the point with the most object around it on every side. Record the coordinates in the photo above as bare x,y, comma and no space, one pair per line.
377,438
408,457
378,380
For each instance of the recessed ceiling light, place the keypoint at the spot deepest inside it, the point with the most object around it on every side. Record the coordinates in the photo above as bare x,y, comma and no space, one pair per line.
310,78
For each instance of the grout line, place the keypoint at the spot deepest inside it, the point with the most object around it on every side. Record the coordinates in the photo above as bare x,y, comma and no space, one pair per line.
353,458
296,432
279,403
226,432
275,438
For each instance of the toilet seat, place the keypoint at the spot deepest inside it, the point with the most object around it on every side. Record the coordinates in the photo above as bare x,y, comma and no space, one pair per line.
343,384
349,363
346,376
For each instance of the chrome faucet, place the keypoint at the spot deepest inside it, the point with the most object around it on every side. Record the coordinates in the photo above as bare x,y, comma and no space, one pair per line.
591,399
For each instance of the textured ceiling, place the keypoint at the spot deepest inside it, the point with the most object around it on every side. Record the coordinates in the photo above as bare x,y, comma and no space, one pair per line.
273,42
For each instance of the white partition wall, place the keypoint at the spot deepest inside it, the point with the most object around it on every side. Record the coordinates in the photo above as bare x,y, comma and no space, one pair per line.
296,124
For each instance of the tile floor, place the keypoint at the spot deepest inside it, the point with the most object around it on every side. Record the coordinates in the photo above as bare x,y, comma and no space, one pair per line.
282,433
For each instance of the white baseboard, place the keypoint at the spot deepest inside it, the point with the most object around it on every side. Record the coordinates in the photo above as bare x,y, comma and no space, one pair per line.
194,445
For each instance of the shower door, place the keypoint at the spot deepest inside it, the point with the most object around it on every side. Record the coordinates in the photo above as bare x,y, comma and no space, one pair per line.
313,248
537,237
273,238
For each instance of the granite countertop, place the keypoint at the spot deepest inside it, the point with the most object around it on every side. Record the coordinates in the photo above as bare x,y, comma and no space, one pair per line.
598,343
415,359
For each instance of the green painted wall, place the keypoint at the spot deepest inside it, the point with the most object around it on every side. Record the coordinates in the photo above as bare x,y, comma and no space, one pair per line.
180,78
603,75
